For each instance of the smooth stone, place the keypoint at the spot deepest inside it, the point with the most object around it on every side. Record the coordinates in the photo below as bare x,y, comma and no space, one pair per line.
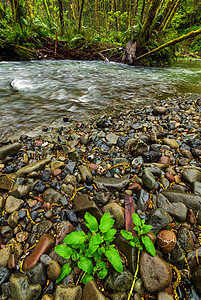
44,245
116,213
191,175
21,289
70,168
91,292
196,279
185,239
111,184
37,166
155,273
70,179
6,183
118,282
142,198
2,202
139,288
12,204
159,218
164,296
68,292
4,274
189,199
37,274
151,156
166,240
63,228
176,210
4,256
82,204
159,110
196,187
6,233
45,259
57,165
165,160
176,257
136,146
148,179
53,270
19,191
101,198
44,226
171,143
193,257
85,172
112,138
9,150
191,217
52,196
153,168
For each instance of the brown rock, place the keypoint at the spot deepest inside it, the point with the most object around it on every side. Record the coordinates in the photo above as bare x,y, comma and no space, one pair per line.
155,273
22,236
43,246
171,143
191,217
170,177
82,204
2,202
159,110
4,256
6,183
68,292
91,292
166,240
136,146
53,270
13,204
57,172
62,230
165,160
9,150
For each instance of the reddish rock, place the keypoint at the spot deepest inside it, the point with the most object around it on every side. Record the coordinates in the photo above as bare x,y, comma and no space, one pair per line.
44,245
38,142
57,172
165,160
170,177
63,229
46,205
191,217
166,240
134,187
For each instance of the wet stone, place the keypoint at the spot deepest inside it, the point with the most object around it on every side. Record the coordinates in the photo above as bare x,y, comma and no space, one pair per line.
159,219
193,258
13,204
196,279
53,270
136,146
68,291
45,259
6,233
142,198
9,150
116,213
5,183
4,256
37,274
40,187
37,166
196,187
166,240
117,282
52,196
171,143
191,175
92,292
185,239
148,179
62,230
151,156
4,274
176,257
44,226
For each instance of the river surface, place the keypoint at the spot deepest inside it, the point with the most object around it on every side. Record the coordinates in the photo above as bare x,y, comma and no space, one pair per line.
39,92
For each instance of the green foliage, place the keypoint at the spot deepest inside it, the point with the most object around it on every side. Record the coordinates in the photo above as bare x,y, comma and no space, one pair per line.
89,250
140,239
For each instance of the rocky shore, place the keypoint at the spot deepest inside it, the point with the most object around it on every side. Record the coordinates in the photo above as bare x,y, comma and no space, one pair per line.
147,160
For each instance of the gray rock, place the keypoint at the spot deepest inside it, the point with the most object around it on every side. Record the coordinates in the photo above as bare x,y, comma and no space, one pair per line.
111,184
139,288
196,279
185,239
116,212
91,292
5,288
159,219
153,169
37,274
6,233
85,172
101,198
176,257
196,187
193,257
9,150
82,204
45,259
112,138
19,191
117,282
191,175
4,274
21,289
148,179
142,198
136,146
155,273
176,210
37,166
52,196
13,204
44,226
159,110
68,292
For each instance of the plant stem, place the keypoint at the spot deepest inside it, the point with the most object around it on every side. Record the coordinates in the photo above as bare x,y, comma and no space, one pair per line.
135,276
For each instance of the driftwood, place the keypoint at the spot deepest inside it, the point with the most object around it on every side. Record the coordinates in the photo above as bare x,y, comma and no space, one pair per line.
129,210
129,53
170,43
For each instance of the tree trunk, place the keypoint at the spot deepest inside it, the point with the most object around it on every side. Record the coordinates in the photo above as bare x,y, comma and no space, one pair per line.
165,13
61,16
146,29
47,12
170,43
173,12
80,14
2,11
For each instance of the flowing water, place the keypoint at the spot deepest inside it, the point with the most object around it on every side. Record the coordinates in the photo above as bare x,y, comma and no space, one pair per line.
39,92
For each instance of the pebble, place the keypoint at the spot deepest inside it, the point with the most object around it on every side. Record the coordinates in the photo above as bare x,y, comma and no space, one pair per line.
166,240
53,270
116,213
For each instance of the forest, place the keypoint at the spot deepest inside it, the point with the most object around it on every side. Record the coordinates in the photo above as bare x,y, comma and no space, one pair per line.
92,29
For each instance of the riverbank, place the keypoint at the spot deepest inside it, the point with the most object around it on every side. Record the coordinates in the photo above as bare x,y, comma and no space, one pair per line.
150,156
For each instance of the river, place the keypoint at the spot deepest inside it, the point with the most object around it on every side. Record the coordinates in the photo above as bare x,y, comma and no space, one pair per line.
38,92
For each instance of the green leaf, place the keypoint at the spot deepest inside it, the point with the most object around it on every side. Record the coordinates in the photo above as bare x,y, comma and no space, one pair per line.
146,228
91,222
149,245
87,278
101,265
94,243
65,270
137,228
126,234
136,219
64,251
106,223
143,221
97,256
113,256
75,237
133,244
103,273
109,235
86,265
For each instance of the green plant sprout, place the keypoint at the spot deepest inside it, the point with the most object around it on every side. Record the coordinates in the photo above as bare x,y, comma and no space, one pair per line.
89,251
138,242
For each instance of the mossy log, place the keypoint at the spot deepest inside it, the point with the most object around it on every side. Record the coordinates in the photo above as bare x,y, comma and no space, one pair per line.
170,43
24,52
